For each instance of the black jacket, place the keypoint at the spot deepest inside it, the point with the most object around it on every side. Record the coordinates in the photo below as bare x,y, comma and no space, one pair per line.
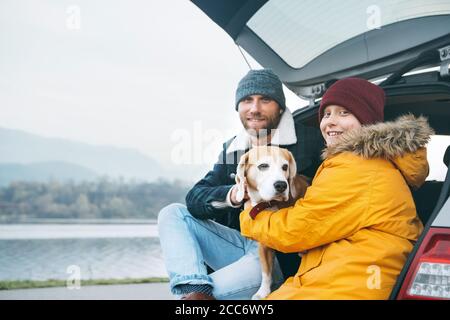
217,182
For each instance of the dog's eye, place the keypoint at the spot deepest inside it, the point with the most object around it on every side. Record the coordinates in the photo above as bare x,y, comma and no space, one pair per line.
263,166
284,167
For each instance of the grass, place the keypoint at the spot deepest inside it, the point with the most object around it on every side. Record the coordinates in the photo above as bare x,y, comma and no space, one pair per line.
28,284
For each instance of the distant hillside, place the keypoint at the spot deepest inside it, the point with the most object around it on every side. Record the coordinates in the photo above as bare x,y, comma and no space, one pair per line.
92,200
37,154
44,171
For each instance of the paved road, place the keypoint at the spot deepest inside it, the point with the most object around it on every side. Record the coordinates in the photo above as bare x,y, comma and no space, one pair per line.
145,291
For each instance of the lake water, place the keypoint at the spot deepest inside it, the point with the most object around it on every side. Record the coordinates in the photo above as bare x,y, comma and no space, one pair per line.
98,251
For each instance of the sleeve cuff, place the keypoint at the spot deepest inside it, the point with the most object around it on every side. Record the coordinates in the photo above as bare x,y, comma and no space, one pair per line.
226,203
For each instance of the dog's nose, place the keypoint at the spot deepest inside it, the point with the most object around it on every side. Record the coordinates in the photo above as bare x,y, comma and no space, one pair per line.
280,186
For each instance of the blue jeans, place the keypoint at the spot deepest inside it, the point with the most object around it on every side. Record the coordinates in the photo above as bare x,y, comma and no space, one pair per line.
188,244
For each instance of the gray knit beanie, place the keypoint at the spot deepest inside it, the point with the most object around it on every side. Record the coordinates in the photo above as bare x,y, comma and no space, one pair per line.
263,82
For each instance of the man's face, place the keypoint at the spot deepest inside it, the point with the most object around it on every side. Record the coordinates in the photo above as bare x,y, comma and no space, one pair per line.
259,114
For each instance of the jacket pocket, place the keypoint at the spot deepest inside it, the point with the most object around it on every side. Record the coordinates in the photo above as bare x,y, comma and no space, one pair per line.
311,260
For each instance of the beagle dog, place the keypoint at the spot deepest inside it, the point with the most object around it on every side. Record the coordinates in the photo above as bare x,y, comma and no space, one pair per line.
268,174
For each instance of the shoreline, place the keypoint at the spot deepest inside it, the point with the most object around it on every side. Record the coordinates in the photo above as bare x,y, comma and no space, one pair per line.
76,231
79,221
51,283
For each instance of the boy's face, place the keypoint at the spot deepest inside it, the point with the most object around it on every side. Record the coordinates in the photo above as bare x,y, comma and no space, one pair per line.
337,120
259,114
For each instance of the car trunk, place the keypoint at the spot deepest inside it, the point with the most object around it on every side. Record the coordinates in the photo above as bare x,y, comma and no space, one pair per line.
310,44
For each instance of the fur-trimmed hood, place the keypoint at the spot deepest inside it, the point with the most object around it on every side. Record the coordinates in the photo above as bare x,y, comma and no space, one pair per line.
401,141
387,140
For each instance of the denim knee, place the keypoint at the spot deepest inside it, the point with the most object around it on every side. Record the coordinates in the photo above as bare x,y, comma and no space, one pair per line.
172,211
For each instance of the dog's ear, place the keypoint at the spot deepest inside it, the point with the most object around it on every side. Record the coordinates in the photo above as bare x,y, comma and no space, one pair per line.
301,183
292,174
240,177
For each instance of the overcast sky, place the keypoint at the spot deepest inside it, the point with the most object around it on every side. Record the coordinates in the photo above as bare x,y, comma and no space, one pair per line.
123,73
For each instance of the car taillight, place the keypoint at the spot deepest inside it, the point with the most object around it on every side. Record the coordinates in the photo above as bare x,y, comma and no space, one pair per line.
428,276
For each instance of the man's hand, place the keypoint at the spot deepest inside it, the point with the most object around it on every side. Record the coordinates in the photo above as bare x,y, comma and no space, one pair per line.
233,195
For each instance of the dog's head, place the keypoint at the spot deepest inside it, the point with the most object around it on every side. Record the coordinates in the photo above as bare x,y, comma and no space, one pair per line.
269,174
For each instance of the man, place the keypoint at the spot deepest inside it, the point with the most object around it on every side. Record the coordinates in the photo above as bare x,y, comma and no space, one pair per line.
205,233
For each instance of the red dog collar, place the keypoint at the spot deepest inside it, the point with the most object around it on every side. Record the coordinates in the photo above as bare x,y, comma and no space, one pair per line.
261,207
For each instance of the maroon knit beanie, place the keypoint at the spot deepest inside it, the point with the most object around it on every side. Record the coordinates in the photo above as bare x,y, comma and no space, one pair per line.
362,98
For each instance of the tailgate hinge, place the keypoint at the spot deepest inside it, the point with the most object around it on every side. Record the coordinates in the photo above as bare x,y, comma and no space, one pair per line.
444,54
311,93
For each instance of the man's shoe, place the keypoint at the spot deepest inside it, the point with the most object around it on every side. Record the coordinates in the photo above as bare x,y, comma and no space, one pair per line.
197,296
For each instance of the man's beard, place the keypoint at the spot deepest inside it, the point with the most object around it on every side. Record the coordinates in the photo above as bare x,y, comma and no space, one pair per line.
272,123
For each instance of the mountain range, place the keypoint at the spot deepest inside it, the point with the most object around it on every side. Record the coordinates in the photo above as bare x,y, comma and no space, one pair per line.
30,157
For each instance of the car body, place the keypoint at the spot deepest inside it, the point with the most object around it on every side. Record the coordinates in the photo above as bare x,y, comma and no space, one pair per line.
404,46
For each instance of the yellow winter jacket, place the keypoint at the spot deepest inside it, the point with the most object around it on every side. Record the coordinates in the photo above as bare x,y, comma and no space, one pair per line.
357,222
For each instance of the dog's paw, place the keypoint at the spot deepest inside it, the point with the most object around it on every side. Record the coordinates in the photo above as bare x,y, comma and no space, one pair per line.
257,297
261,294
